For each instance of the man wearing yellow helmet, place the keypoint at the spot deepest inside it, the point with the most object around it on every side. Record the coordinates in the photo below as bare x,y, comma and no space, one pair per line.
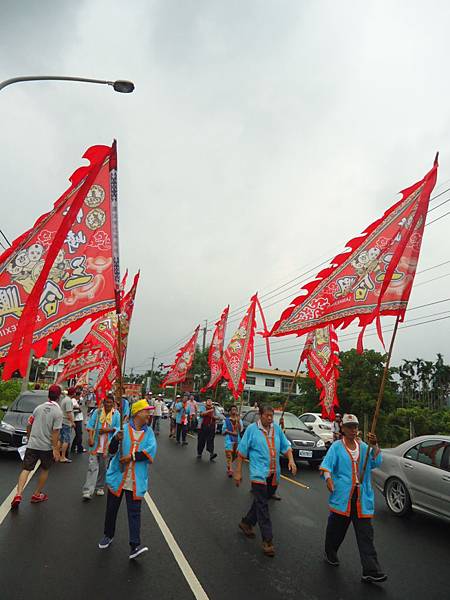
128,474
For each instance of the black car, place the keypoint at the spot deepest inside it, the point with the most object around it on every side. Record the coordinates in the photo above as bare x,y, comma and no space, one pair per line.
13,427
306,445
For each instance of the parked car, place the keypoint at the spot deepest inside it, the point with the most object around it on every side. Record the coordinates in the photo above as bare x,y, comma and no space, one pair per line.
321,427
416,476
13,427
306,445
220,418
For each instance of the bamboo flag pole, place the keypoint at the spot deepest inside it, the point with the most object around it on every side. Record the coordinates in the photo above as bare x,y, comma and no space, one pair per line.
116,275
119,386
380,394
241,404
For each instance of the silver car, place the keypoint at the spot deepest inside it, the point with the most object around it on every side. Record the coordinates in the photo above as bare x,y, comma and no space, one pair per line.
416,475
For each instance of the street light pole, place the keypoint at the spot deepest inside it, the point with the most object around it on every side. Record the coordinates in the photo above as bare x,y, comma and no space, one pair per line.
122,86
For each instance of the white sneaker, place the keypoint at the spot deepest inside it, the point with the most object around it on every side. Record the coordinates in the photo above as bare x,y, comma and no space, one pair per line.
100,492
86,496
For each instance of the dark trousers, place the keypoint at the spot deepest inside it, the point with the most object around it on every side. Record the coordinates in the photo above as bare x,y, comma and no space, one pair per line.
337,528
134,516
206,437
77,443
259,510
155,424
181,432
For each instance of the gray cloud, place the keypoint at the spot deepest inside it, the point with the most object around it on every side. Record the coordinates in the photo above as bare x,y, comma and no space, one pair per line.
260,138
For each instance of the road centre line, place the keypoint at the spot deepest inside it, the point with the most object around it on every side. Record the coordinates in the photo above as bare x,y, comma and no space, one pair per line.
185,567
6,504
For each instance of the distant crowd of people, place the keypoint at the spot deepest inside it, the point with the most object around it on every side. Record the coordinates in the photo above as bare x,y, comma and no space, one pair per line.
122,444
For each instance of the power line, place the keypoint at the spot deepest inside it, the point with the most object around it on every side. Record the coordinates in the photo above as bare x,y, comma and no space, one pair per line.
286,351
439,218
239,311
329,262
287,339
6,239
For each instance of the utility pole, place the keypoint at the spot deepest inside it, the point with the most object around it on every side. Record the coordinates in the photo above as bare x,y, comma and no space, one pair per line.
205,328
151,373
26,379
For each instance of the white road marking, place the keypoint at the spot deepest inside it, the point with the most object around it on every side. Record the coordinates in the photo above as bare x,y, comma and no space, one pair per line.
185,567
6,504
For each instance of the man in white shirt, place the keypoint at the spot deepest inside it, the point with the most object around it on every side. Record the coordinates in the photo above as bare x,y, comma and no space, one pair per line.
158,403
43,434
104,422
77,444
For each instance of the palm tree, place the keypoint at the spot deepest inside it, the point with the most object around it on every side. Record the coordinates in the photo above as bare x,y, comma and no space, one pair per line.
407,378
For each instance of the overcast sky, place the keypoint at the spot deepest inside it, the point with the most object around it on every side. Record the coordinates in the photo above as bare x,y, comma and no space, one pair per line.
260,138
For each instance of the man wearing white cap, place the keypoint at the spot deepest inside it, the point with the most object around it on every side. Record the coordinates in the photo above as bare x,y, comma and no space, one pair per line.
173,415
158,404
351,498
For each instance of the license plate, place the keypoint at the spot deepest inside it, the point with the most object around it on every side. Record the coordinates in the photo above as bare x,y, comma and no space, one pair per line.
24,439
305,453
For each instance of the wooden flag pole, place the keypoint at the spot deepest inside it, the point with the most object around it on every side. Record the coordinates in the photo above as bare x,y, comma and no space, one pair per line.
241,404
119,387
380,394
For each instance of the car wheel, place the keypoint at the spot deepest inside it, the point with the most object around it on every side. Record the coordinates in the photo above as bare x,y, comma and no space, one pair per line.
397,496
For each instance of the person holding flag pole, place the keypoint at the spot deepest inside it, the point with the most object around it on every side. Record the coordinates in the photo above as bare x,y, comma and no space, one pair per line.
372,278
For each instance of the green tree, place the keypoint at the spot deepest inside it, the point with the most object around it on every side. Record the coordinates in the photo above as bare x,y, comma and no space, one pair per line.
359,383
9,390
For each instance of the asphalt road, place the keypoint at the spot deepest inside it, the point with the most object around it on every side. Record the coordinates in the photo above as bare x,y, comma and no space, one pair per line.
50,550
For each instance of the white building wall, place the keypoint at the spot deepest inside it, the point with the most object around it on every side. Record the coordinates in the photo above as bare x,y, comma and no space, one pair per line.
260,383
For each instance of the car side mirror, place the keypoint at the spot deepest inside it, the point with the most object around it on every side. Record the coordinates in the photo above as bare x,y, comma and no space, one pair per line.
309,427
4,408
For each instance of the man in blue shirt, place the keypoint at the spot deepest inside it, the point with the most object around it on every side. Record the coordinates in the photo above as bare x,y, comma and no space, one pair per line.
262,444
351,496
182,411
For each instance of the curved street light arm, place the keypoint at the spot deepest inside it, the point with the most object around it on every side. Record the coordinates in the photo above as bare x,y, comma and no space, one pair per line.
119,86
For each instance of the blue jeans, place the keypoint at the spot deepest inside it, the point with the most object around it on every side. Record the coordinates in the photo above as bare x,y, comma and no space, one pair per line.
134,516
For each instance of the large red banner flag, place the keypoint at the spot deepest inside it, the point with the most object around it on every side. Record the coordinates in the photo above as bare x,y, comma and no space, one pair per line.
373,278
183,362
60,272
101,341
239,354
216,351
321,353
80,364
102,334
126,313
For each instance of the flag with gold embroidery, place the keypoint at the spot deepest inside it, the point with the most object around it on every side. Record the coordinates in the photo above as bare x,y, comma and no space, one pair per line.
373,278
216,351
60,272
239,354
321,353
183,362
80,364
